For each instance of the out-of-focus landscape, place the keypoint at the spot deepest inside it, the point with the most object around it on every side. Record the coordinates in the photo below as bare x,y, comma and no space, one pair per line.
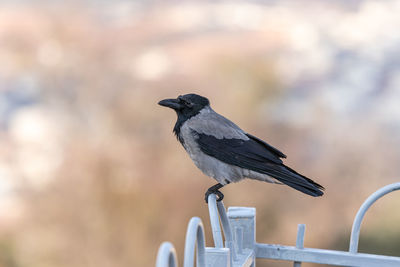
90,172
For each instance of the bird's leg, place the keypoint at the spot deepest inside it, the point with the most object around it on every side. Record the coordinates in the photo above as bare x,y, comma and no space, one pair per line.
214,190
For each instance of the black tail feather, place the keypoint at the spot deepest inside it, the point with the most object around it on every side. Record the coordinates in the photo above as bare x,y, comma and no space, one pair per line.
297,181
308,179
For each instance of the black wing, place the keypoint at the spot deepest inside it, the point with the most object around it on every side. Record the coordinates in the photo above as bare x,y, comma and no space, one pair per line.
267,146
256,155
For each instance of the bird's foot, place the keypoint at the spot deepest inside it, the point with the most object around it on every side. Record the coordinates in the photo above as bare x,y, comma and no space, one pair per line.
217,192
214,190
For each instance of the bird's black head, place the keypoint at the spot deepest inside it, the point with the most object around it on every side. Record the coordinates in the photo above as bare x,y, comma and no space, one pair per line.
186,106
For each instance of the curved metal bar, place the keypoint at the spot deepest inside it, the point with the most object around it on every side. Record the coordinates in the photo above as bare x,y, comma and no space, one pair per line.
355,231
226,226
195,236
166,256
214,219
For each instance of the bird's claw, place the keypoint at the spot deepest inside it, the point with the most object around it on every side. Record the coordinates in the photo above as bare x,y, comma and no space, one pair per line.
217,192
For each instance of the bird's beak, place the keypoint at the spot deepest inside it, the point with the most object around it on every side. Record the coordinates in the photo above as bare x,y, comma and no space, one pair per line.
171,103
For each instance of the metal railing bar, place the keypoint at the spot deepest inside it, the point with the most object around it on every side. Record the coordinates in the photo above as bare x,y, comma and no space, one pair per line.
166,256
195,236
226,226
323,256
355,231
214,219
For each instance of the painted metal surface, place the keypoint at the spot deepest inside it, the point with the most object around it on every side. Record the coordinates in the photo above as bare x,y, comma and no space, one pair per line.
355,231
241,249
166,256
243,223
227,229
324,256
195,238
214,220
301,228
218,257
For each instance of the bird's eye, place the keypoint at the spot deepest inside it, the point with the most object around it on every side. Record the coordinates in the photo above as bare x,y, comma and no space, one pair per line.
186,103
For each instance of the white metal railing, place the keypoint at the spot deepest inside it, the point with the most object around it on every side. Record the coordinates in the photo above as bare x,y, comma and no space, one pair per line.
195,236
241,249
166,255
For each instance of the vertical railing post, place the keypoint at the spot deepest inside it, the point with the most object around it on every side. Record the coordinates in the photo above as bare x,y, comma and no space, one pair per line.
214,220
243,223
299,241
226,226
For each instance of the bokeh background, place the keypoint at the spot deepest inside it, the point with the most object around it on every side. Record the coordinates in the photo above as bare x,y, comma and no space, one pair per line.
90,172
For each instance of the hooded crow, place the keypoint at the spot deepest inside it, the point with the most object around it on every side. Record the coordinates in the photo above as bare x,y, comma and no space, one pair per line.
223,151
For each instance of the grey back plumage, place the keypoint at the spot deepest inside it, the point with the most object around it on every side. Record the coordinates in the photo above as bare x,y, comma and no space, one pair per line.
211,123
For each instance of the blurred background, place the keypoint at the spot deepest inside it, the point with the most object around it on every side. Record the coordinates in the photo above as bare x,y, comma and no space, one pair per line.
90,172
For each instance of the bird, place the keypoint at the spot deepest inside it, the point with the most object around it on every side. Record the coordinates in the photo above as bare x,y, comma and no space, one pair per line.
225,152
